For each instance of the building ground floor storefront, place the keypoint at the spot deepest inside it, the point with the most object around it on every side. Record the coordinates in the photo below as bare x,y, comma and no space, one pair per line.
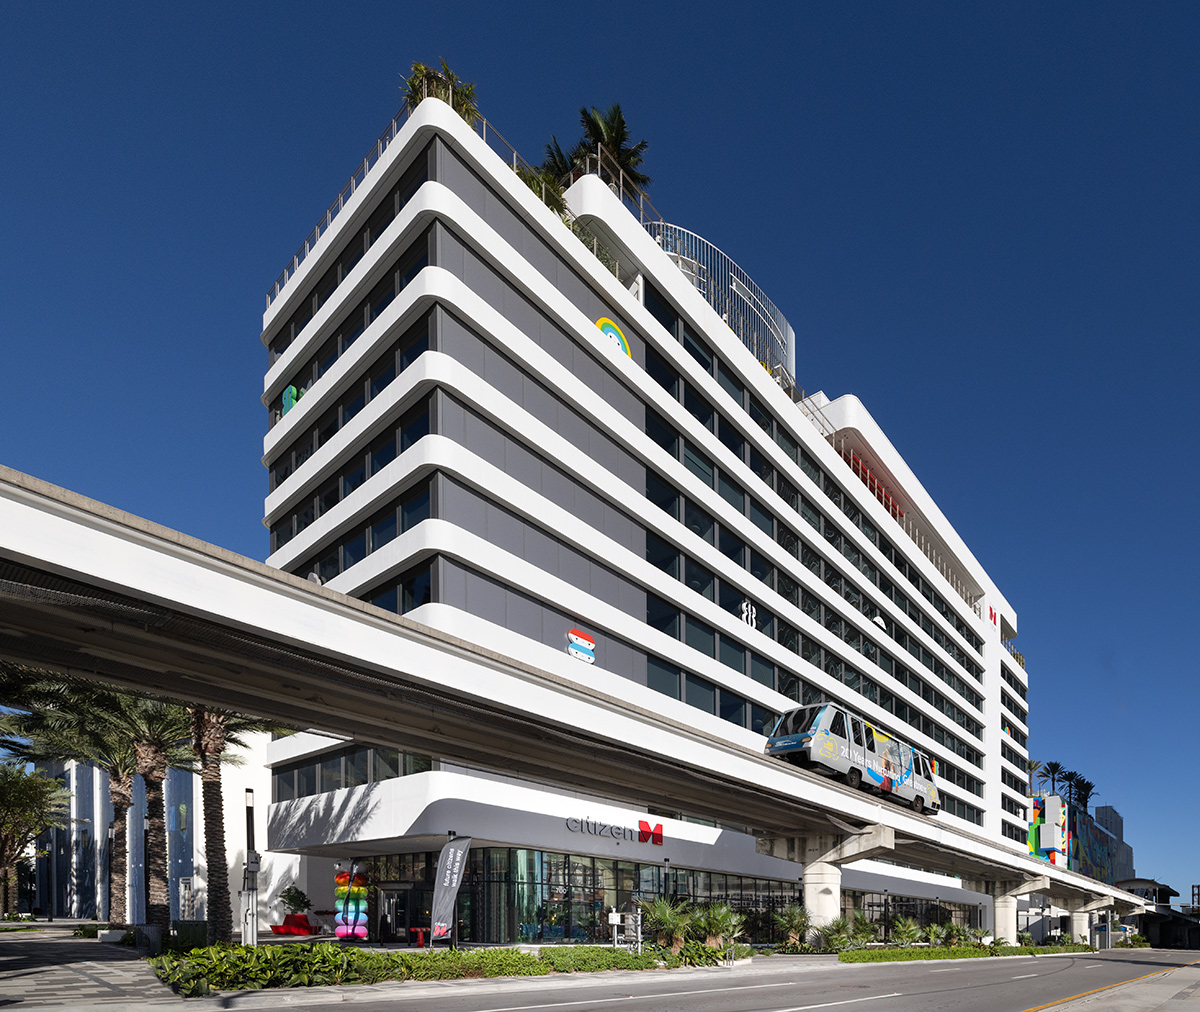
519,895
548,866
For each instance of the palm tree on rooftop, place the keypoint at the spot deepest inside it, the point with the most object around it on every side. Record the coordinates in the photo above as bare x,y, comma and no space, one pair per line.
1084,789
1051,772
1034,769
610,130
1070,779
428,82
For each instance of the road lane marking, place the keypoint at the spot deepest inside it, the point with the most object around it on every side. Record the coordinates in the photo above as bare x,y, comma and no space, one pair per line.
1063,1001
1022,976
629,997
830,1004
945,969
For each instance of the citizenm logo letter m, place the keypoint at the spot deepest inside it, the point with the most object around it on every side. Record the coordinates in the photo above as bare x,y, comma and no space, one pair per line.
646,834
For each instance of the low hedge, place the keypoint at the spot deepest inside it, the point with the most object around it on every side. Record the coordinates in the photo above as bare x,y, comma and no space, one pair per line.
247,968
954,952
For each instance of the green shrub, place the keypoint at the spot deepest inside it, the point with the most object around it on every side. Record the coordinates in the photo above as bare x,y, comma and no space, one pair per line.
89,930
952,952
591,958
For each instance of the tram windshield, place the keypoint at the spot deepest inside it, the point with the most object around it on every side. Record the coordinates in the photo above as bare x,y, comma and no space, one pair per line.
797,721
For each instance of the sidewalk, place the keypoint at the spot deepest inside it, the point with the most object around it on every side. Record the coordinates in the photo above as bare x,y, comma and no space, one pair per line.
48,968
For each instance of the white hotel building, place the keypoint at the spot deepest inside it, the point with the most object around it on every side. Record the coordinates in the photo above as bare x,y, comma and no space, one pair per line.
458,433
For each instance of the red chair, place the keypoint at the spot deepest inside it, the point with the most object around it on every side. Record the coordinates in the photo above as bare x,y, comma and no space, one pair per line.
294,924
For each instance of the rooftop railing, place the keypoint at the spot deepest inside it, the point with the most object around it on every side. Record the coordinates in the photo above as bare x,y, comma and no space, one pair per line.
490,135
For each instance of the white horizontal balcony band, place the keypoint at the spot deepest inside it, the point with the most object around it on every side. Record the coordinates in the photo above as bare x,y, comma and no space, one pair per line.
448,289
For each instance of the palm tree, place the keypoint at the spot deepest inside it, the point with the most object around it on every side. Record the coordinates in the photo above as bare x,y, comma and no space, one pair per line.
1070,779
71,719
1051,772
609,130
1034,769
795,921
1084,789
428,82
668,920
46,734
213,731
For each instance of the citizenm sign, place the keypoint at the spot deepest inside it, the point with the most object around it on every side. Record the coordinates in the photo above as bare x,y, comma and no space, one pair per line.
645,833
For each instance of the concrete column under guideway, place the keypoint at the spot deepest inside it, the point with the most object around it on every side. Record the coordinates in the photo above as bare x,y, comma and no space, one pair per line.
1004,902
823,855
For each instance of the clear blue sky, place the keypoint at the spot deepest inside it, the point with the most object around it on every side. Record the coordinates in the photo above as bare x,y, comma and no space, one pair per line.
981,219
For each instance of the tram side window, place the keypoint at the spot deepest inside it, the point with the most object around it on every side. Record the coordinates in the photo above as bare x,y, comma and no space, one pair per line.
870,738
856,728
838,726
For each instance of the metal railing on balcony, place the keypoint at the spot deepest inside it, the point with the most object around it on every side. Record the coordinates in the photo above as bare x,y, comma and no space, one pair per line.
1014,652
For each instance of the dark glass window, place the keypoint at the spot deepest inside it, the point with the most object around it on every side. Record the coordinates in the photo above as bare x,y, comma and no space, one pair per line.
697,349
697,406
387,763
414,425
701,694
698,463
662,373
356,766
660,309
354,550
414,509
732,438
662,554
701,636
383,529
730,383
732,546
698,522
733,708
731,492
662,494
762,569
760,415
662,615
699,579
762,670
733,654
761,518
662,677
387,598
662,432
417,587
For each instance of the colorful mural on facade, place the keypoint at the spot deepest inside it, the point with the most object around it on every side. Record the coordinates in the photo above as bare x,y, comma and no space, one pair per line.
1066,835
1092,851
1048,833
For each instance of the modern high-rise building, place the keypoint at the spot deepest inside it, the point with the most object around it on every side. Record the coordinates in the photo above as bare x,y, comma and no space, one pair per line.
577,439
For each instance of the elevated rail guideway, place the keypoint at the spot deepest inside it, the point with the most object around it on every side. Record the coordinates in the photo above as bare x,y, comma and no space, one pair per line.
90,590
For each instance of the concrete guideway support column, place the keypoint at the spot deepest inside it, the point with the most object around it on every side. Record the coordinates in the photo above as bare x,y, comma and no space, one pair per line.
1004,902
1081,915
823,854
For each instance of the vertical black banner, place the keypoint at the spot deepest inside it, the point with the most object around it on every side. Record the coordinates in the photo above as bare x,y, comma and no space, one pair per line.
451,865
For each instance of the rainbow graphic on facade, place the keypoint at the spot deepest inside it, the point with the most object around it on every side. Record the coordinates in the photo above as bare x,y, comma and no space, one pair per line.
613,332
581,646
350,894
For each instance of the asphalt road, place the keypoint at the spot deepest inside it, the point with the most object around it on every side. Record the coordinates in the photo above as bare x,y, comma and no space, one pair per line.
783,984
